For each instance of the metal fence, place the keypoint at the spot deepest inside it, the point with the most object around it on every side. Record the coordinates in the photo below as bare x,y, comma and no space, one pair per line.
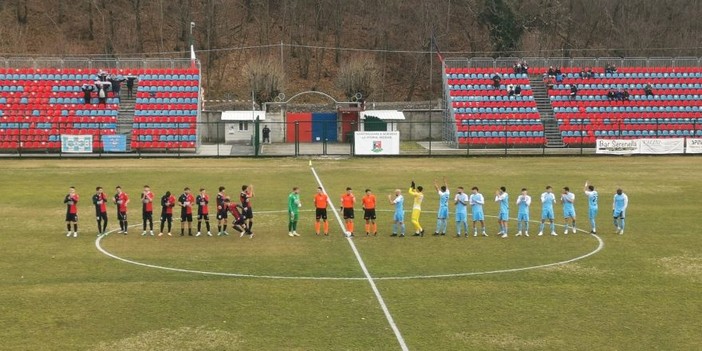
246,139
508,62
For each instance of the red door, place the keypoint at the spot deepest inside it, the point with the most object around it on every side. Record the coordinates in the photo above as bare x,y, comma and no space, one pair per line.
349,124
303,120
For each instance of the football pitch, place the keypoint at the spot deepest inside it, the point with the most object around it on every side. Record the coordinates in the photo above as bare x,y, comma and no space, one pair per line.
637,291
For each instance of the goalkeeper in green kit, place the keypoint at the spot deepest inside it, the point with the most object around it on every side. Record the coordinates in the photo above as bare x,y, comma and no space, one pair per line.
294,205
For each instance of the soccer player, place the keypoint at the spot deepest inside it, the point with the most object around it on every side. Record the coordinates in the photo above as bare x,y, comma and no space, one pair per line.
222,212
523,203
185,201
203,211
321,202
368,203
502,198
100,202
147,209
71,201
168,201
348,200
122,200
247,193
477,201
592,198
568,200
238,218
461,200
547,201
399,217
619,205
294,205
442,214
417,208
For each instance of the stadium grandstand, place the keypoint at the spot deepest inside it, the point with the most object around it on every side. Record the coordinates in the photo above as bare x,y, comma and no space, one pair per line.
613,98
43,99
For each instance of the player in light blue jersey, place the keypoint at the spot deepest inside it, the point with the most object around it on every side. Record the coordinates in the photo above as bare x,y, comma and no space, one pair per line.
399,217
592,198
619,205
477,201
523,203
502,198
461,201
442,215
547,201
568,200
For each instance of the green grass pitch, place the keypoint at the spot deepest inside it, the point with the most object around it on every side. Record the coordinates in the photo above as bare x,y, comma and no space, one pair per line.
640,292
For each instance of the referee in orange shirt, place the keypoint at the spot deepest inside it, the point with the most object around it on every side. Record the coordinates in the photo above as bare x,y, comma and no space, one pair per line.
321,201
347,202
368,203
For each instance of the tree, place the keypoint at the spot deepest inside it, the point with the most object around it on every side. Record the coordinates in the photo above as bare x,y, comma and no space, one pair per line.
505,32
266,78
358,75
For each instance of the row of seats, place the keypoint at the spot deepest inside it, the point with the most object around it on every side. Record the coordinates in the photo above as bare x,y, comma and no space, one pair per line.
500,141
167,88
167,100
492,98
165,137
150,145
661,97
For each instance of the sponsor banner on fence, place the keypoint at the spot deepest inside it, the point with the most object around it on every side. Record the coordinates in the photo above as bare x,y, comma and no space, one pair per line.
76,143
640,146
662,146
694,146
114,143
376,143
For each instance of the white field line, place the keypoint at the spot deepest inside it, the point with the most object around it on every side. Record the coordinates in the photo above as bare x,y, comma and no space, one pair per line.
371,282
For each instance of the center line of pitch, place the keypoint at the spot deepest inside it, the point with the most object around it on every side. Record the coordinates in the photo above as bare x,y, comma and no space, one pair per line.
379,297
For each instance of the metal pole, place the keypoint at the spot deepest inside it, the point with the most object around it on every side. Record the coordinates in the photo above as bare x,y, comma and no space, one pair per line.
297,138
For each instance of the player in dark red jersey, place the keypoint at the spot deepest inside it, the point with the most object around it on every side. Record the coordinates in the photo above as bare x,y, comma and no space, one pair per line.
203,211
238,217
147,210
222,211
121,199
168,201
185,201
100,202
71,201
245,197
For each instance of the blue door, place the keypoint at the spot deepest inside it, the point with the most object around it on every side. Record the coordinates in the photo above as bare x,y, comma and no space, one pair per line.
324,126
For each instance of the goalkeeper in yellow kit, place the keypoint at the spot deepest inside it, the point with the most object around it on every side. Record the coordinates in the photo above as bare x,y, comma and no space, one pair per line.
417,208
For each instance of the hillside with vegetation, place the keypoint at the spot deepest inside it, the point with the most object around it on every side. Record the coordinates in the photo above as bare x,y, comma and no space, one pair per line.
312,41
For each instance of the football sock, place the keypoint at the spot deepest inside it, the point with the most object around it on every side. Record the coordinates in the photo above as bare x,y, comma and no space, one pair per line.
572,225
75,227
250,225
199,226
394,228
125,226
519,226
403,228
162,224
190,231
592,223
367,227
316,227
351,227
207,224
622,226
224,228
541,227
553,227
326,227
294,226
68,226
458,228
526,226
144,225
99,224
182,231
290,226
374,227
219,228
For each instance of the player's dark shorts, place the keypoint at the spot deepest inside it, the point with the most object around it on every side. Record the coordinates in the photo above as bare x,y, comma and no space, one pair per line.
71,217
241,220
348,213
320,213
369,214
248,212
166,217
205,216
147,215
122,216
222,215
101,216
186,217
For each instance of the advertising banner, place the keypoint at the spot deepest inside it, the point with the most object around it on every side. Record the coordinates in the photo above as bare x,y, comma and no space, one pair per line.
377,143
114,143
76,143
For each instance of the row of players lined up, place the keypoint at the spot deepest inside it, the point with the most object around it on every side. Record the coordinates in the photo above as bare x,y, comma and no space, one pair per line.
242,212
461,201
